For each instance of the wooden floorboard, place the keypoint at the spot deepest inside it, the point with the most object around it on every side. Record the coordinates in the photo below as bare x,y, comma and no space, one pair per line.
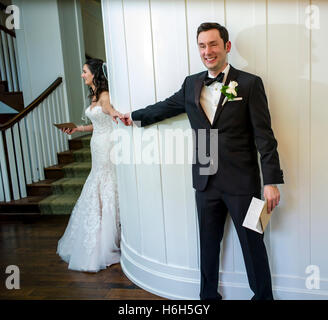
31,245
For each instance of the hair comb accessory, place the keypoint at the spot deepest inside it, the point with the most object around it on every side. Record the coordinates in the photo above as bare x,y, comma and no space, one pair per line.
104,69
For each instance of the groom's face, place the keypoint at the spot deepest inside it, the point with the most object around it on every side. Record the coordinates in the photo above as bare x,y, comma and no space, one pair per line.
212,50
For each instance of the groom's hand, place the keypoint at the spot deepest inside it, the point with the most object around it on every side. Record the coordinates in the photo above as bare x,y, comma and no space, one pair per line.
127,119
272,195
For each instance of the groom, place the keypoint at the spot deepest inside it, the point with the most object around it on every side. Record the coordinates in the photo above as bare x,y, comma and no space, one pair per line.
228,134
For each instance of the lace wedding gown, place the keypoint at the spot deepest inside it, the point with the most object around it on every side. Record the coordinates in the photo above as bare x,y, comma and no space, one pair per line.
91,241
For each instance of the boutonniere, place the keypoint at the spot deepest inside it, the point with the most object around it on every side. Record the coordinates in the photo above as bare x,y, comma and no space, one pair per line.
230,91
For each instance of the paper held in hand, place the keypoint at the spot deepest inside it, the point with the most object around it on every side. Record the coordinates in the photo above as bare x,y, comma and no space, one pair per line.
68,125
257,217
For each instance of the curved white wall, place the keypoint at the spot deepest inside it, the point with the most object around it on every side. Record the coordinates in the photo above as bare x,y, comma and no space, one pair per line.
151,48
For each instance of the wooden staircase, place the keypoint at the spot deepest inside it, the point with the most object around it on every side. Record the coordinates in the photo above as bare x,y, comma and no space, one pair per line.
29,207
12,99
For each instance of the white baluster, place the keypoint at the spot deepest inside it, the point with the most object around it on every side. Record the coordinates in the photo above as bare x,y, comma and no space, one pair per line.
7,60
19,161
42,135
54,116
17,61
12,62
2,191
57,113
46,126
51,133
3,167
39,151
26,156
2,62
12,164
62,111
32,148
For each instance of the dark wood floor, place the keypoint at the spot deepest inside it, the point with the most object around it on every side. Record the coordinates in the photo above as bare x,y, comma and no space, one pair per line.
31,245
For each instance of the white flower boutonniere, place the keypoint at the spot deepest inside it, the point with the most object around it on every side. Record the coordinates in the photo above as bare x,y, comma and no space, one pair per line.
230,91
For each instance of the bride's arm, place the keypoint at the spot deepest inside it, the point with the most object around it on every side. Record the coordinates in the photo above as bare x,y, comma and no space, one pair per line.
108,107
88,128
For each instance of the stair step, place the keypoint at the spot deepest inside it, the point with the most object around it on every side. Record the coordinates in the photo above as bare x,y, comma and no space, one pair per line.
24,205
65,157
82,155
80,142
68,186
58,204
86,141
13,99
3,86
77,169
41,188
54,172
5,117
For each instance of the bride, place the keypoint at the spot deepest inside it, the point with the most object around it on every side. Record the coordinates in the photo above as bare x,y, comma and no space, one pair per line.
91,241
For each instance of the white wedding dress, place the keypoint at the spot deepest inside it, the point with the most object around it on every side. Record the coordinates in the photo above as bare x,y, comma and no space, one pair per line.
91,241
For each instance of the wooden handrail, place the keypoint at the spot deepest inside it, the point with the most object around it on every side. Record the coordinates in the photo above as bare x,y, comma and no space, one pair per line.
10,32
32,105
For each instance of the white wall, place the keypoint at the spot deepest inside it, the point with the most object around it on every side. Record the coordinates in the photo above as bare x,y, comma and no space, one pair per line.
70,20
93,29
39,46
151,47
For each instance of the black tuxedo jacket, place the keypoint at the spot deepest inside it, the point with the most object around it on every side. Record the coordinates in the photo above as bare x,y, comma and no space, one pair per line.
239,129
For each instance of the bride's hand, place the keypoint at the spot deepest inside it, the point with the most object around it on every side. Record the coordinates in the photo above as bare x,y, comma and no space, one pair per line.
69,131
115,114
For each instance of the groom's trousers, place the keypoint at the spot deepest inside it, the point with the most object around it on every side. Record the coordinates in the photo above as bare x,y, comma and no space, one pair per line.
213,206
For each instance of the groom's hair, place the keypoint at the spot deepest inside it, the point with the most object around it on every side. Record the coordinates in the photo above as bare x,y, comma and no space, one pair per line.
213,25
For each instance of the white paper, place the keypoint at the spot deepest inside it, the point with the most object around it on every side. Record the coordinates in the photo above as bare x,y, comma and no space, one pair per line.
252,219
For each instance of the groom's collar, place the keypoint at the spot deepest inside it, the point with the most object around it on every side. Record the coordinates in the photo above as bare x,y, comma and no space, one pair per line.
225,71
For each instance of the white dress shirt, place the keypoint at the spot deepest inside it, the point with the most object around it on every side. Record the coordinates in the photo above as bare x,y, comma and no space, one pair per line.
210,95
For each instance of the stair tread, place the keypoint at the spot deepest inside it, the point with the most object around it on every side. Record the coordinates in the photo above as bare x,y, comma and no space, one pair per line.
82,150
12,93
78,165
46,182
31,200
55,167
70,181
62,199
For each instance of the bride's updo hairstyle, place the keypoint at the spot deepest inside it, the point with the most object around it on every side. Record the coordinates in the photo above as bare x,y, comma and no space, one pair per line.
96,67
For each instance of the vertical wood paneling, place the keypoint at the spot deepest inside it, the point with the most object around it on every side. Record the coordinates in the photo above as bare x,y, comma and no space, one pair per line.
286,97
319,150
171,62
120,97
142,89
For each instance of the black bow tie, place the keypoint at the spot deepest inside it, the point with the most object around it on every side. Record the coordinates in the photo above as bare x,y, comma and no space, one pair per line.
208,81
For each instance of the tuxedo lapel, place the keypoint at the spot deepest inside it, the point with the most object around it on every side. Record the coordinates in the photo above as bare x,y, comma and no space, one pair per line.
232,75
199,82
